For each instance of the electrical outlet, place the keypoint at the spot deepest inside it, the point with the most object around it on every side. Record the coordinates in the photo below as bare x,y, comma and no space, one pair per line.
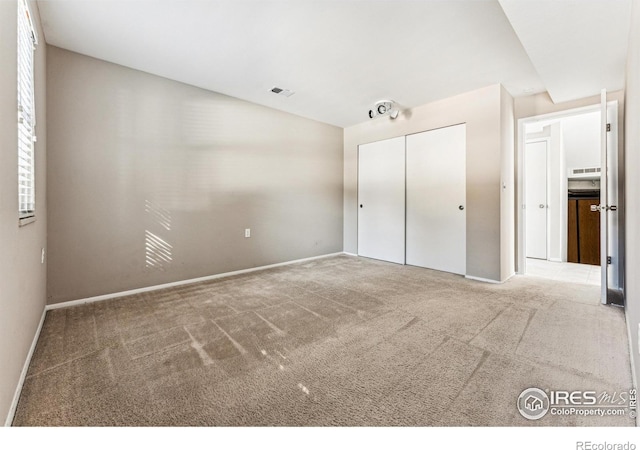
42,256
247,232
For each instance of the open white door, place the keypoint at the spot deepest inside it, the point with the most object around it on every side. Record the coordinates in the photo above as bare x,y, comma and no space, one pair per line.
604,204
613,196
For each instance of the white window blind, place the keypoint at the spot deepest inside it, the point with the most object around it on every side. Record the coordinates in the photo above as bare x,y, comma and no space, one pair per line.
26,113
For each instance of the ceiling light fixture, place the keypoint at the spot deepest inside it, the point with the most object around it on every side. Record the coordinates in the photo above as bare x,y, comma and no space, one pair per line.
384,108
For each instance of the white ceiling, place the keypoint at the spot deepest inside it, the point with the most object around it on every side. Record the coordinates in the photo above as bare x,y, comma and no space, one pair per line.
341,56
578,47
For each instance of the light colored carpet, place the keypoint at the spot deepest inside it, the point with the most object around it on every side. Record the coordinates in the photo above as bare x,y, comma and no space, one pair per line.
336,341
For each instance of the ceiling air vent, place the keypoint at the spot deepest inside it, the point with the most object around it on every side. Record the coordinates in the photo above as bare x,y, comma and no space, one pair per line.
280,91
584,173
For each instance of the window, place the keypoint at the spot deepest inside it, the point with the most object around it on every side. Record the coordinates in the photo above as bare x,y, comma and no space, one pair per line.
26,113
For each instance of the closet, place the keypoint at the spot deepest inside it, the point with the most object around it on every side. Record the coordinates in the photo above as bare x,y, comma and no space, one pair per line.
411,199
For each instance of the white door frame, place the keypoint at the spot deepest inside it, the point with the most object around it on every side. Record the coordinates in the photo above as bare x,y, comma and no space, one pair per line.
521,259
604,200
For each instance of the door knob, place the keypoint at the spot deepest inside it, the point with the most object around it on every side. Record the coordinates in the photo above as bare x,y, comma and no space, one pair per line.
595,208
461,207
360,206
541,206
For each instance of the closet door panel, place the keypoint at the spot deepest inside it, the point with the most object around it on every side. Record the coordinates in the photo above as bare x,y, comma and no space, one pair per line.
436,199
381,200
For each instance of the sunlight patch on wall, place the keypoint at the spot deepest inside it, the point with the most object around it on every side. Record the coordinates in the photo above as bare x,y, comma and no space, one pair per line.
157,250
160,216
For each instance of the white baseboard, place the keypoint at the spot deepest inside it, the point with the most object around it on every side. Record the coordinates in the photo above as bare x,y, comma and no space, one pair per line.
23,374
484,280
99,298
349,254
555,260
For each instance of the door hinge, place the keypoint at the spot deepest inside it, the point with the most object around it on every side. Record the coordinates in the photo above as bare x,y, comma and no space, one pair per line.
608,127
608,259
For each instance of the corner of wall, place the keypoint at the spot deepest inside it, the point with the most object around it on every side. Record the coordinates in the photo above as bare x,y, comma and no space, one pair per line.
507,185
22,274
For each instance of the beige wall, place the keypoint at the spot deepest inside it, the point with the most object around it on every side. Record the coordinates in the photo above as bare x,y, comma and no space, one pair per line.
540,104
481,110
507,190
22,276
632,186
141,164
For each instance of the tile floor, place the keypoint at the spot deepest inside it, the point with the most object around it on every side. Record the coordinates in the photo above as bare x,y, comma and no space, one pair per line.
562,271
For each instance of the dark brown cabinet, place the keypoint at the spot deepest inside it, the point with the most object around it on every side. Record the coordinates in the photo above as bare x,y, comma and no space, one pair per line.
583,245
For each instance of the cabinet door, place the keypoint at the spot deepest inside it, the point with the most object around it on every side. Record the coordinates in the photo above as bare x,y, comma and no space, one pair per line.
589,232
572,232
381,200
436,199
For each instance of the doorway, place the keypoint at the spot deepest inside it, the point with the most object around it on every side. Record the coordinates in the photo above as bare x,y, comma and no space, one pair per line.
559,217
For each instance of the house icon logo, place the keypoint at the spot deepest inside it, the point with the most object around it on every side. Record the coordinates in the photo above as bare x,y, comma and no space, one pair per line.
533,403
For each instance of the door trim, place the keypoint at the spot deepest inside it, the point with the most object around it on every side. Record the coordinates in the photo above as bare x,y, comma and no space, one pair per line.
521,141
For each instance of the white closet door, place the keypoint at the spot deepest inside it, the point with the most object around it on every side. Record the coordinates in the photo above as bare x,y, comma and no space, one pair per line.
381,189
535,191
436,199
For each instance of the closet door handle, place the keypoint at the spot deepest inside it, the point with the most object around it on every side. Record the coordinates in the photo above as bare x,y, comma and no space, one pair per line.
541,206
461,207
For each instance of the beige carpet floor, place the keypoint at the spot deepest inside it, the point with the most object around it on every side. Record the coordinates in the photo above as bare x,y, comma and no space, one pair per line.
335,341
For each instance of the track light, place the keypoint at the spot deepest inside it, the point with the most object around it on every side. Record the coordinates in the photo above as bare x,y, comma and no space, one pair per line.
384,108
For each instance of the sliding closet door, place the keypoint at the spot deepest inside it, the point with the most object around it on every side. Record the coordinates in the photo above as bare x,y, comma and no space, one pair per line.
436,197
381,187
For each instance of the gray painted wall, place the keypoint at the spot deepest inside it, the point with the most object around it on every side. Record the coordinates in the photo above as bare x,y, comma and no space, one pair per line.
22,276
632,183
152,181
482,111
